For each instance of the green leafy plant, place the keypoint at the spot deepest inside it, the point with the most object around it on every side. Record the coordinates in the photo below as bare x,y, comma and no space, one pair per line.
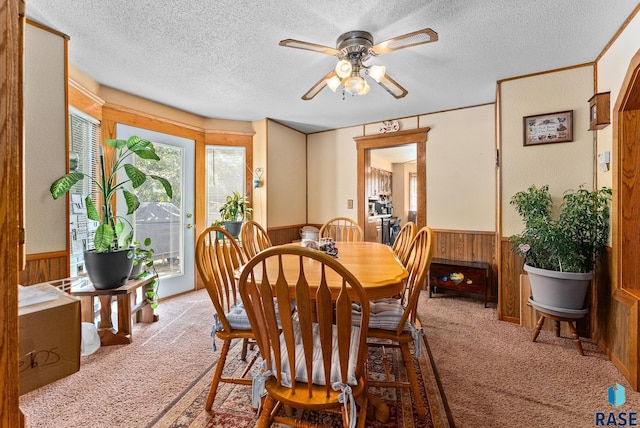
110,234
570,241
235,208
143,255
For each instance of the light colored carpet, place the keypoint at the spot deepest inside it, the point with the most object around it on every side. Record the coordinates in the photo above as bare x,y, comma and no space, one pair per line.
494,376
232,407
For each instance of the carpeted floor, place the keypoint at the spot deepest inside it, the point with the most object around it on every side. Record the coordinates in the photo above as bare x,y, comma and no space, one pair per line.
491,372
494,376
233,409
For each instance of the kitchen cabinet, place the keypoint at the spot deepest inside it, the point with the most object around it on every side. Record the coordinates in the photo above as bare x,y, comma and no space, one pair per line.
380,182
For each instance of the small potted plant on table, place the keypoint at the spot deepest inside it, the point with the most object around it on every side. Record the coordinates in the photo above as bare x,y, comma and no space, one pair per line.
234,212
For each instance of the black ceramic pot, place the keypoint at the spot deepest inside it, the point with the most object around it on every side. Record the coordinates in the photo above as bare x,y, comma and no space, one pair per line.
108,270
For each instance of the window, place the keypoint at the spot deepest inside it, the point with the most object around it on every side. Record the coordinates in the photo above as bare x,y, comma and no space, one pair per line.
84,137
225,170
413,191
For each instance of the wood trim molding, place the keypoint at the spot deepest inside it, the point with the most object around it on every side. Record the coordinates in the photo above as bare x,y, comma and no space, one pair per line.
85,101
365,143
11,205
122,114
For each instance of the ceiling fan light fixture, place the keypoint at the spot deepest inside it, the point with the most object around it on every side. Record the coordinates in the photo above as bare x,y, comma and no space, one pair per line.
377,72
333,82
343,68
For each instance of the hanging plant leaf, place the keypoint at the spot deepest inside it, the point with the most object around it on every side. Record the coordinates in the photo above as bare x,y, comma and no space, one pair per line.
136,176
92,212
165,183
132,201
64,183
103,238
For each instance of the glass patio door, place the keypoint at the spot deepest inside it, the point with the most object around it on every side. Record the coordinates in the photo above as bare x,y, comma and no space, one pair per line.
169,224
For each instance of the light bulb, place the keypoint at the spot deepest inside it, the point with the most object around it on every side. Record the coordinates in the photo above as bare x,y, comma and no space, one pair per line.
365,88
354,84
343,68
333,83
377,72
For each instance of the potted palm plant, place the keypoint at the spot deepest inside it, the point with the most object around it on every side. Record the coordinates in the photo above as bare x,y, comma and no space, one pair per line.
234,211
561,251
109,263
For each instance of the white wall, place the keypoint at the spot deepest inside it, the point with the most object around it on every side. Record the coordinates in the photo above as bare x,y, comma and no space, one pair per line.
562,166
611,70
45,117
461,169
332,174
287,175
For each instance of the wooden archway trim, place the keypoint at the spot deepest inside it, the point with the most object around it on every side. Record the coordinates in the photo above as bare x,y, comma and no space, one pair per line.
626,132
400,138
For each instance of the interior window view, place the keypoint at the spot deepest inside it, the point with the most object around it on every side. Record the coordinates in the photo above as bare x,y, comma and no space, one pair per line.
376,214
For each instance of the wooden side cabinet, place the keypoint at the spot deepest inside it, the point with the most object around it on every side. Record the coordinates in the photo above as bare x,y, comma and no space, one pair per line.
458,275
599,111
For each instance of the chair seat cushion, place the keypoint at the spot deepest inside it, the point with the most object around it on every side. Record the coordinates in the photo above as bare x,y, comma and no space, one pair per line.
238,319
318,372
385,314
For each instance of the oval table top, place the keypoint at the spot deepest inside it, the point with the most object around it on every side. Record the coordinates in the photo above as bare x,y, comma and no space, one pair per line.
374,264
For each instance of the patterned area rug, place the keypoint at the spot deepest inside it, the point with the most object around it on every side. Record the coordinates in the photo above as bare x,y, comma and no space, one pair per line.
232,407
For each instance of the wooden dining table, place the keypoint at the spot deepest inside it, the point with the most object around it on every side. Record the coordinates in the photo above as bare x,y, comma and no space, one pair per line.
375,265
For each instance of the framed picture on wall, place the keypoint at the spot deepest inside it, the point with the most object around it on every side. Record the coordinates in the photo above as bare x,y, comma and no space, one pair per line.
548,128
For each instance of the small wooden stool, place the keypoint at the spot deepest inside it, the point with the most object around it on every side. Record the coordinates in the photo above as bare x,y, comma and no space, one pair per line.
557,319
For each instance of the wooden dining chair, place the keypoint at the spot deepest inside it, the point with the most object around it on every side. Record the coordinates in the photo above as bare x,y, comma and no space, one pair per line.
395,319
327,351
341,229
217,256
403,241
254,238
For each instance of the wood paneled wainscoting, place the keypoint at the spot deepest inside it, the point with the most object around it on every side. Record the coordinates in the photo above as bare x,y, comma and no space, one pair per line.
465,245
286,234
42,267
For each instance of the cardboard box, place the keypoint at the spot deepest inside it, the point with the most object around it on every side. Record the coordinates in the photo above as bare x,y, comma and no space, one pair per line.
49,338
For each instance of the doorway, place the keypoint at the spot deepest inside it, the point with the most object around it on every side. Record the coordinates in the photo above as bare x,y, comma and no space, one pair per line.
169,224
365,145
627,124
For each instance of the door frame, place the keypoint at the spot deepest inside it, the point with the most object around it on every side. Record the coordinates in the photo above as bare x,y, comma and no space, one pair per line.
365,144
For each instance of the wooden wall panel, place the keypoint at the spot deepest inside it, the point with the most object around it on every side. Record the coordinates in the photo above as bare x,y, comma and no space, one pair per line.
468,246
286,234
45,267
510,271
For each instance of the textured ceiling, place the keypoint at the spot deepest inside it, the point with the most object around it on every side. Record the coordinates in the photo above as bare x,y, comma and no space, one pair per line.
221,59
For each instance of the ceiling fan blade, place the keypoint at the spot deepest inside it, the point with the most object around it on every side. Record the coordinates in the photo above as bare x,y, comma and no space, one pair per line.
392,87
320,84
420,37
297,44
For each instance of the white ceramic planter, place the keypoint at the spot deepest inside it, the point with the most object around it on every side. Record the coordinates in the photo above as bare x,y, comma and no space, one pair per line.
558,289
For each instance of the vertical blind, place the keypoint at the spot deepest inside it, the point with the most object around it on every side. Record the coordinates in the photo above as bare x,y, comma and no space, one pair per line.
84,138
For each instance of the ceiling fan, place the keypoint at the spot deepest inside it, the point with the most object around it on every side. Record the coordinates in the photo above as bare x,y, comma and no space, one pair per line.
353,48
